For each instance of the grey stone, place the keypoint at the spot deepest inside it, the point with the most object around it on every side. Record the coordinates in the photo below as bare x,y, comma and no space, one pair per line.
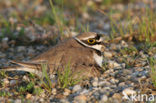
104,98
13,82
108,54
21,48
2,55
76,88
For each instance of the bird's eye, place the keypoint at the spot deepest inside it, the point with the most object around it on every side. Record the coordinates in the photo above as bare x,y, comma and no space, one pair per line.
91,41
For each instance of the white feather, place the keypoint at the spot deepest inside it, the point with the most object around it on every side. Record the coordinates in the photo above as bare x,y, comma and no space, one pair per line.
92,36
98,59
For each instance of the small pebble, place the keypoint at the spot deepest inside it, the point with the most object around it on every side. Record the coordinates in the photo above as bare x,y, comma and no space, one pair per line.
128,91
54,91
108,54
76,88
64,101
104,98
121,84
124,44
18,101
114,81
95,83
13,82
117,96
85,91
2,55
41,100
26,78
113,46
80,99
28,96
66,92
21,48
113,64
5,81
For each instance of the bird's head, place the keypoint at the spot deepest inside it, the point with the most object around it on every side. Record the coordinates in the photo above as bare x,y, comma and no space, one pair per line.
91,40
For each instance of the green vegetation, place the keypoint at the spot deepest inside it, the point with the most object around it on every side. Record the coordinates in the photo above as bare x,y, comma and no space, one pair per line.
28,87
46,19
148,47
20,88
2,74
128,50
110,2
66,78
4,94
46,82
152,63
34,85
141,28
58,17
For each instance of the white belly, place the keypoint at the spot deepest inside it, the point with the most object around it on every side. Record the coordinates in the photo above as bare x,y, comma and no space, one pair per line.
98,59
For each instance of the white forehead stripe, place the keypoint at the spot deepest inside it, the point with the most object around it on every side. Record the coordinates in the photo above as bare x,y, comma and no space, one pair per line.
92,36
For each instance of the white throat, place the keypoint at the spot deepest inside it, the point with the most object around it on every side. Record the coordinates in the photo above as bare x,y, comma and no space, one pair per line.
97,47
98,59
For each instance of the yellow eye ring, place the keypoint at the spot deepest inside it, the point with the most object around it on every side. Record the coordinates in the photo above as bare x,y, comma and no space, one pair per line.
91,41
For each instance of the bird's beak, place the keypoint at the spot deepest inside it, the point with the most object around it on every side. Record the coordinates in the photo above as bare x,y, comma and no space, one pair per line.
103,39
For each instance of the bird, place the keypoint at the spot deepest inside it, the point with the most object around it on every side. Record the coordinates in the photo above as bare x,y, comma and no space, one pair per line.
82,54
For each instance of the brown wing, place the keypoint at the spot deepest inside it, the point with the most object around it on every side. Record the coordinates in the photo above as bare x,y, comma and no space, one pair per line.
65,53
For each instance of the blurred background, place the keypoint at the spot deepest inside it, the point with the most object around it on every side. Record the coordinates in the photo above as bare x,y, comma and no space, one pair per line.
39,19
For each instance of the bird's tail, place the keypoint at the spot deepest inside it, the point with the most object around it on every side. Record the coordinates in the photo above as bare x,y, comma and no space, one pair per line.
27,67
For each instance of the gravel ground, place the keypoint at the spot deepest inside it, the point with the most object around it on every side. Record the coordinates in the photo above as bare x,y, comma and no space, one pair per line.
126,68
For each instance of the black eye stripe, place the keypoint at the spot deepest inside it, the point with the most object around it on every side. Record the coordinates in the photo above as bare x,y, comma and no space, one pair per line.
98,42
